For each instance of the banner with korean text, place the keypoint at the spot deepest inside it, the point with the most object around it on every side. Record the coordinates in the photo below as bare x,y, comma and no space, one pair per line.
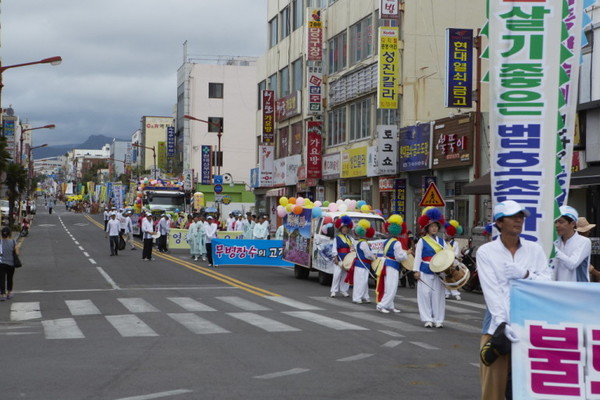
249,252
459,67
558,354
313,149
268,116
387,94
387,149
206,165
532,82
266,158
314,35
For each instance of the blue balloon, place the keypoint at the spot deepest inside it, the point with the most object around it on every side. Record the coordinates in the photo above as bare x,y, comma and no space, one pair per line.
177,210
360,203
317,212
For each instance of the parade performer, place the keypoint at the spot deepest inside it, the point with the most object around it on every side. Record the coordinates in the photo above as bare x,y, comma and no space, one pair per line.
430,290
389,274
358,275
573,251
499,262
451,229
249,227
342,245
192,238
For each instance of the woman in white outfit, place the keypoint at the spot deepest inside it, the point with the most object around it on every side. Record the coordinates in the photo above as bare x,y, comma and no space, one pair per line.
342,246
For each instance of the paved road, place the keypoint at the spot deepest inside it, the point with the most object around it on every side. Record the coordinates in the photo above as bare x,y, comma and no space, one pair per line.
85,325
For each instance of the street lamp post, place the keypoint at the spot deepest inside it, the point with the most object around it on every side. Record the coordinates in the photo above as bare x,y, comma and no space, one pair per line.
52,60
30,164
51,126
124,161
219,134
153,155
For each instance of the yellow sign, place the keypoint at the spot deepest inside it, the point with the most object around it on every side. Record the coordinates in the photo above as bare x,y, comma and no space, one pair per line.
432,197
387,93
177,239
354,162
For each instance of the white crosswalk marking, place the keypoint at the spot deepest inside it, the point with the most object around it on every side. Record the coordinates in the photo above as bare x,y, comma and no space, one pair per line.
392,323
82,307
326,321
25,311
243,303
293,303
65,328
264,323
189,304
196,324
130,326
425,346
137,305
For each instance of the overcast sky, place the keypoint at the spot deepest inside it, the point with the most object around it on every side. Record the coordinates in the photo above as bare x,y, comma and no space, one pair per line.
120,58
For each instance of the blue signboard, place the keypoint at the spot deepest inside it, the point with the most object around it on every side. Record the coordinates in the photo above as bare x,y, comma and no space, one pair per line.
254,178
205,165
413,152
171,141
248,252
459,67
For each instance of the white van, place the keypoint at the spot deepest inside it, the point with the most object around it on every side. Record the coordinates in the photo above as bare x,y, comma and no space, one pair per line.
320,244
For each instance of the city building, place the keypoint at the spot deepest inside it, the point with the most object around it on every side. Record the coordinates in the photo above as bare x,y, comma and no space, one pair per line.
119,161
152,149
380,137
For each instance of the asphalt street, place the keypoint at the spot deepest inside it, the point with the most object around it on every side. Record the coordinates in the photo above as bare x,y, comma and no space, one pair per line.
86,325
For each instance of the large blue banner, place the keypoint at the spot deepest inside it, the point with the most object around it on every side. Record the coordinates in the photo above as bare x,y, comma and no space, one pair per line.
413,154
558,354
248,252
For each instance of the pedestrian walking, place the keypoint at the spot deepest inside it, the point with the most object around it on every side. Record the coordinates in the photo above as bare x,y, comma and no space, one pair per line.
129,230
8,248
164,227
113,229
106,216
147,232
50,206
499,262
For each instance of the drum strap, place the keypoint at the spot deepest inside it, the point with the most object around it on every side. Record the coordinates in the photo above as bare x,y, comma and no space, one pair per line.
433,243
387,245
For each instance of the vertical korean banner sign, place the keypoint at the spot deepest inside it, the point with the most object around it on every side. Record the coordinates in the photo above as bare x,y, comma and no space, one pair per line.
268,114
528,91
387,96
313,149
314,40
206,165
558,354
459,67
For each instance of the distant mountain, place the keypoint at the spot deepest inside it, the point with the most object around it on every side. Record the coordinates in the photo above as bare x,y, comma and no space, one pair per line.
93,142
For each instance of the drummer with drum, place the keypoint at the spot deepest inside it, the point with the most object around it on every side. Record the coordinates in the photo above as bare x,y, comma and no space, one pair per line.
388,274
451,229
430,290
343,245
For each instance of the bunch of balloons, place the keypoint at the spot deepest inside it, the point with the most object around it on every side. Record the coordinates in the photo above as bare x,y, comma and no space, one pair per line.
297,205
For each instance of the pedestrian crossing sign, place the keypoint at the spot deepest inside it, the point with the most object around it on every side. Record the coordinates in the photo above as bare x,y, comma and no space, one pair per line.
432,197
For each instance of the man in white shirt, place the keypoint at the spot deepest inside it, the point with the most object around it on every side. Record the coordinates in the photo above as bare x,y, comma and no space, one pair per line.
261,230
106,217
573,251
164,227
147,232
211,232
230,222
498,263
112,231
240,224
129,230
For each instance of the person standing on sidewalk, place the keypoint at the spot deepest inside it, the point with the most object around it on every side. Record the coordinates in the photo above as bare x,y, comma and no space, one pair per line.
113,229
7,264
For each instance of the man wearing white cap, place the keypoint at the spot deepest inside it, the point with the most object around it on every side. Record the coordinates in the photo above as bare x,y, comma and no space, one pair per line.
573,251
498,263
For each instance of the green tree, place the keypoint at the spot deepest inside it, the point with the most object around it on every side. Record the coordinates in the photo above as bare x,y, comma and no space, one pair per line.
16,183
4,155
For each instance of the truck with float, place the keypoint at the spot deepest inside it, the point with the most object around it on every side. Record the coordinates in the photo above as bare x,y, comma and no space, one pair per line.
158,197
318,244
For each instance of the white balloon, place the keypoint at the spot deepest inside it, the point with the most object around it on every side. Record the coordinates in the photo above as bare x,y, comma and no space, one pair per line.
343,208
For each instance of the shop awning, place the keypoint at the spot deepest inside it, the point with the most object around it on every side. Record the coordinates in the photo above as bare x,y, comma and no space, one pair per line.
277,192
587,176
481,185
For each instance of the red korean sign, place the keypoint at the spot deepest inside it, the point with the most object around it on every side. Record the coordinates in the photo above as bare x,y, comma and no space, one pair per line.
314,35
313,149
268,116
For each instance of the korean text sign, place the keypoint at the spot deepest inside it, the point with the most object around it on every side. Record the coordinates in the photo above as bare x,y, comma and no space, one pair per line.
413,152
527,75
313,149
459,67
387,93
558,354
248,252
268,116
